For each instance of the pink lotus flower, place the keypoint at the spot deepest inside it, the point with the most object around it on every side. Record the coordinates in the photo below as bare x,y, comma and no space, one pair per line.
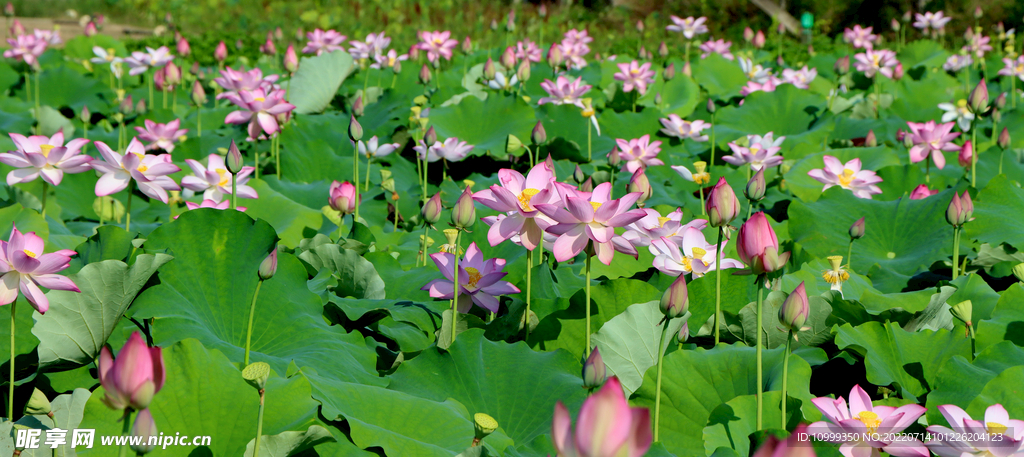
633,75
51,37
997,435
758,247
934,21
929,138
28,48
437,44
762,152
321,42
574,48
24,266
268,47
528,50
234,81
756,72
958,62
140,62
752,86
800,78
214,180
373,148
606,426
1013,67
149,171
675,126
871,61
389,60
922,192
978,44
689,27
582,218
479,280
260,109
564,91
653,227
211,204
862,419
639,153
39,155
697,256
452,150
161,136
860,37
131,379
718,46
849,176
371,48
516,197
794,446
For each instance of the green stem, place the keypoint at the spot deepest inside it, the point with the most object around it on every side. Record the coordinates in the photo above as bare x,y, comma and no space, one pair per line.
256,173
164,98
849,256
125,430
586,349
128,209
46,188
956,251
199,121
10,380
785,375
703,210
529,287
426,234
28,89
878,98
456,287
974,155
277,153
760,369
590,155
37,94
355,179
718,283
149,102
252,315
259,425
369,163
974,347
657,388
234,192
711,163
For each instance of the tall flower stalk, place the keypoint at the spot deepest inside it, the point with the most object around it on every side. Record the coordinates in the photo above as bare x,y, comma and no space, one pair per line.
675,303
958,213
266,271
722,207
793,314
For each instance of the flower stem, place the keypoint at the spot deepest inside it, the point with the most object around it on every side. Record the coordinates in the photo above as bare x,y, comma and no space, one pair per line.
46,188
878,98
426,234
456,287
256,173
589,147
785,375
586,349
355,181
703,210
849,256
657,388
234,191
276,149
711,162
974,155
128,209
37,94
149,102
125,430
529,288
252,314
10,380
199,121
718,284
366,187
259,425
760,375
956,251
970,331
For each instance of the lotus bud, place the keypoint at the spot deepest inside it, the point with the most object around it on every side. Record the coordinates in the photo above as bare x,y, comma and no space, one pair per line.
663,50
268,48
577,175
239,44
657,99
1004,139
140,107
523,73
758,247
722,206
221,53
234,158
269,266
397,67
9,9
857,229
90,29
431,136
555,56
432,209
414,52
1001,101
670,72
895,25
467,45
256,374
484,425
959,210
539,135
508,58
595,372
756,187
906,16
134,376
510,21
172,74
711,106
759,40
342,197
588,185
748,34
291,59
640,183
183,48
613,158
962,311
795,309
966,155
494,25
968,205
1018,271
38,404
978,13
17,29
997,115
489,69
198,94
85,116
675,302
357,106
870,140
127,105
684,333
355,130
842,65
978,100
195,70
687,70
144,428
512,144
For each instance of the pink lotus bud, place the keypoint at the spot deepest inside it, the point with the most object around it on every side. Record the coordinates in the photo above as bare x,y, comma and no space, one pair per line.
291,60
897,73
968,205
508,58
100,20
195,70
467,45
542,10
842,65
432,209
712,107
577,175
133,377
588,185
978,100
234,158
614,158
343,197
85,116
357,107
759,40
955,214
221,53
269,266
268,48
758,247
539,135
857,229
355,130
781,28
907,16
870,140
756,187
145,428
414,52
183,48
640,183
555,56
198,94
1001,101
425,75
90,29
17,29
675,302
670,72
127,105
464,211
607,426
489,69
663,50
978,13
748,34
1004,139
172,74
9,9
595,372
900,134
684,333
494,24
523,73
895,25
510,21
795,309
239,44
921,192
966,154
397,67
722,205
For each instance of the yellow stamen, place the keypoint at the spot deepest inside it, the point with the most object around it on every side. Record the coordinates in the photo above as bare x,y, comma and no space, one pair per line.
30,253
474,276
701,178
45,149
754,149
992,427
524,198
687,264
870,420
110,54
225,178
259,99
596,205
846,178
662,221
142,168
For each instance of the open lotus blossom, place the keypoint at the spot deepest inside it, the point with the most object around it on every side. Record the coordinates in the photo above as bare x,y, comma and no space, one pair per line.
451,150
1013,67
516,197
574,48
719,46
957,62
654,226
859,418
860,37
959,112
800,78
260,109
768,86
689,27
763,151
675,126
755,73
161,136
233,81
28,48
564,91
996,435
931,139
639,153
140,62
929,20
437,44
373,148
480,280
528,50
697,256
502,82
214,180
582,218
23,266
977,44
225,204
848,176
873,61
107,56
321,42
44,156
373,46
633,75
922,192
51,37
149,171
134,376
388,60
606,426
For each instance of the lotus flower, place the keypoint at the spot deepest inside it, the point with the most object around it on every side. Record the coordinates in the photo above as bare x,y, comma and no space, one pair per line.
755,73
372,147
921,192
149,171
632,75
1013,67
214,180
28,48
689,27
437,44
40,155
321,42
931,139
849,176
140,62
639,153
697,256
51,37
389,60
574,48
134,376
860,37
934,21
516,197
752,86
607,426
373,47
762,152
24,266
960,112
564,91
996,435
800,78
225,204
957,62
719,46
978,44
260,109
758,247
161,136
582,218
861,418
107,56
528,50
794,446
479,279
502,82
677,127
875,61
234,81
653,226
451,150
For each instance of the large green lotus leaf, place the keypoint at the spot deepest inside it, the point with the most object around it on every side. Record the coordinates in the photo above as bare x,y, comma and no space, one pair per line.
788,111
52,121
818,330
695,382
876,302
357,277
732,422
488,377
630,342
204,394
1004,389
80,47
737,292
981,295
289,218
484,124
926,53
8,77
898,180
565,122
995,210
207,292
679,96
60,87
1006,322
317,80
15,116
26,220
903,237
959,381
918,101
61,236
721,77
908,360
808,189
317,148
67,413
77,325
109,243
290,443
810,274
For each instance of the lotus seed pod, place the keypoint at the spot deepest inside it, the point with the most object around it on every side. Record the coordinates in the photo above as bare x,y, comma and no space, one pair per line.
38,404
484,425
256,374
962,311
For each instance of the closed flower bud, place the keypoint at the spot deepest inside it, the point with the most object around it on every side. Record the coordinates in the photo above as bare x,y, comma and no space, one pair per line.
657,98
494,24
144,428
722,206
269,266
954,212
239,44
758,247
978,13
675,302
756,187
9,9
291,59
431,136
687,70
539,135
670,72
997,115
595,373
183,48
140,107
489,69
510,22
963,311
90,29
614,158
134,376
464,212
966,154
357,106
588,185
397,67
1001,101
523,73
467,46
857,229
85,116
748,34
342,197
795,309
432,209
1004,139
842,65
895,25
355,130
968,206
172,74
663,50
37,404
127,105
221,53
759,40
640,183
577,175
555,56
198,94
234,158
897,73
978,100
1018,271
484,425
425,75
195,69
711,106
508,58
684,333
870,140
